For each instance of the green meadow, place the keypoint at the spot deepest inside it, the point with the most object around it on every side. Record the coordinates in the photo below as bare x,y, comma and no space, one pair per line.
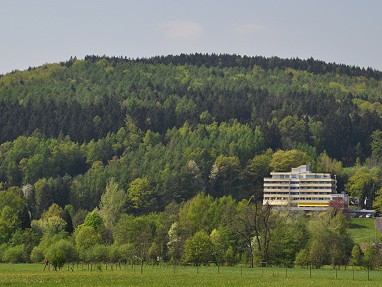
126,275
363,230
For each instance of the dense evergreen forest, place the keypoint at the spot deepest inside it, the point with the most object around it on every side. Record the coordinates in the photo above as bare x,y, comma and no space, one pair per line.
92,147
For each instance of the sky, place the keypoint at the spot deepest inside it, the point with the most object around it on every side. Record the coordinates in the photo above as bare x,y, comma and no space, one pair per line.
37,32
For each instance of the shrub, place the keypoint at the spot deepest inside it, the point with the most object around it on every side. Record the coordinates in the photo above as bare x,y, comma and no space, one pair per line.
37,254
302,258
61,252
15,254
99,253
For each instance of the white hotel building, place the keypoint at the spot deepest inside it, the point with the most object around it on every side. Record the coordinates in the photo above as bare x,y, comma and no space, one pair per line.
300,189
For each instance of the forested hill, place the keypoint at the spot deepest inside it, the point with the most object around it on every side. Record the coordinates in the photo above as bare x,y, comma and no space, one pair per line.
330,107
176,125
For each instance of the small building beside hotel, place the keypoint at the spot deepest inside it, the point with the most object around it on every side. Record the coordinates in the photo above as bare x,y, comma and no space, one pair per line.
300,189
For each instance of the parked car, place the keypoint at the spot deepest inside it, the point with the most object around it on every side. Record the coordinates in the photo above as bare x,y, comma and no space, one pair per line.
368,215
361,216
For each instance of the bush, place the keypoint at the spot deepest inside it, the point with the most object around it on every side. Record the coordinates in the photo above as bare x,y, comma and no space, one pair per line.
15,254
37,254
99,253
61,252
126,252
114,253
230,257
3,247
302,258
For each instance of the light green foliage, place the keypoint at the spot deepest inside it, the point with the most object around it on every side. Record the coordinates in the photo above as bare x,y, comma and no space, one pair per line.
356,255
331,243
257,168
112,203
229,256
31,275
303,258
358,182
154,252
175,242
151,139
86,238
369,258
198,249
328,165
137,232
53,225
363,184
93,219
54,210
101,150
169,128
289,236
120,236
194,215
285,160
98,253
60,252
139,193
377,203
12,213
126,252
52,221
15,254
38,252
37,157
363,229
368,106
318,253
219,246
8,223
221,214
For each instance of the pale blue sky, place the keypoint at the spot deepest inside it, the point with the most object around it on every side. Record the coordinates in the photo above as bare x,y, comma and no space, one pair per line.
45,31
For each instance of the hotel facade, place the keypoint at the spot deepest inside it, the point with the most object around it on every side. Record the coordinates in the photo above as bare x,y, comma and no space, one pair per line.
300,189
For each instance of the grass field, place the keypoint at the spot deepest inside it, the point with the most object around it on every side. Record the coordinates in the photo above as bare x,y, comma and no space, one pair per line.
34,275
362,230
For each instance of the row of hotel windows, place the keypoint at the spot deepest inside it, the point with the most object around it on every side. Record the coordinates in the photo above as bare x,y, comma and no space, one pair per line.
297,198
298,182
297,193
296,187
284,176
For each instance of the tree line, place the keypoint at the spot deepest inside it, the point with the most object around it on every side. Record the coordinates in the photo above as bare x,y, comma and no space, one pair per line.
202,230
164,132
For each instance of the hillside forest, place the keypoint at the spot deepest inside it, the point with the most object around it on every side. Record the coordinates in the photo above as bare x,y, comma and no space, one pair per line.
163,159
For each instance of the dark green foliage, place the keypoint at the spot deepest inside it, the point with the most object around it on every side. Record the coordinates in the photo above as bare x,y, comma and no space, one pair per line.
90,98
196,133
